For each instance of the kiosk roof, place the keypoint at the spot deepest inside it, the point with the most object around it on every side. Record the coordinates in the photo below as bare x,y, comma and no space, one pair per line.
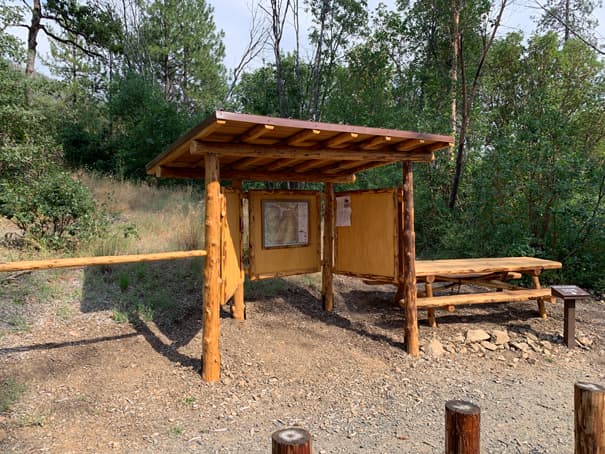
254,147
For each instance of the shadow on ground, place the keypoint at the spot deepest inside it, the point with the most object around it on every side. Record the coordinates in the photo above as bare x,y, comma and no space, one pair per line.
162,302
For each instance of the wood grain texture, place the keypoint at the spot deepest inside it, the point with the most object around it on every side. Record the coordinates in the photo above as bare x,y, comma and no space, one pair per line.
293,440
589,417
449,267
211,359
284,261
462,427
409,262
368,247
79,262
328,249
505,296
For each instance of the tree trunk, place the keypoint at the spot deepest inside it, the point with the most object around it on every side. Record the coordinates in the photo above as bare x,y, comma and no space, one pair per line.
454,69
32,36
317,62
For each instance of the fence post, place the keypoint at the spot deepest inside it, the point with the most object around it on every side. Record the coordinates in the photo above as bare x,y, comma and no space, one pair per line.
462,427
293,440
589,415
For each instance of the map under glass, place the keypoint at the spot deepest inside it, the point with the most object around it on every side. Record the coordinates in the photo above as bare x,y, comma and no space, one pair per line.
285,223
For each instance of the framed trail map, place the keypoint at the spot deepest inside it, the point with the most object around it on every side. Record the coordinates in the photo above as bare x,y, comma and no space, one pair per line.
285,223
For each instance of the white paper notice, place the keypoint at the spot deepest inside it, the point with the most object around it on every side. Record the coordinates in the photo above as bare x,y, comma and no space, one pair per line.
343,211
303,222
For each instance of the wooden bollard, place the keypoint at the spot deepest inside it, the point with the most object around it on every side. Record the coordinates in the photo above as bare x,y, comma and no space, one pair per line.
293,440
462,427
589,411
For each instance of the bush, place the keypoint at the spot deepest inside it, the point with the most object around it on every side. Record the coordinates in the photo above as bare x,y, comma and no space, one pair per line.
56,211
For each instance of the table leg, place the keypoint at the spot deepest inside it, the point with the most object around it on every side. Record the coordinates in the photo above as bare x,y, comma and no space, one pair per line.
431,311
569,323
536,281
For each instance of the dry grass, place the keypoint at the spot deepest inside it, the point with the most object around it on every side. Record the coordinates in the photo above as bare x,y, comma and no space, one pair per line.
147,218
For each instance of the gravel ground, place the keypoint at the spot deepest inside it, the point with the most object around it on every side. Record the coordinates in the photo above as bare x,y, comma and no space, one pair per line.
95,385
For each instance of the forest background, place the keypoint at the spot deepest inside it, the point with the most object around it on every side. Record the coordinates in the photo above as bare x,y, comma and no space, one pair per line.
526,175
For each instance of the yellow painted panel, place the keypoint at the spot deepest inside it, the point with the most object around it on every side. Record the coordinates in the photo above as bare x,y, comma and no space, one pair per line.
266,262
368,247
232,243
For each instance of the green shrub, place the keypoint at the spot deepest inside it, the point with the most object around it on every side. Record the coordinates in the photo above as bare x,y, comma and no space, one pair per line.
56,210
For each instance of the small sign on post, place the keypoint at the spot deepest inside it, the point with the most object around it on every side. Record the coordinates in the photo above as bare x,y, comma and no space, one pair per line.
569,294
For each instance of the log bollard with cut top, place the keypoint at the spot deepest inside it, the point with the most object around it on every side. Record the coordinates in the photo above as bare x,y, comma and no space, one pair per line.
569,294
293,440
589,417
462,427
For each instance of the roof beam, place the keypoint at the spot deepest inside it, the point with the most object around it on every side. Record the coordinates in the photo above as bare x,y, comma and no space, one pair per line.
255,133
287,176
283,151
229,174
301,137
340,139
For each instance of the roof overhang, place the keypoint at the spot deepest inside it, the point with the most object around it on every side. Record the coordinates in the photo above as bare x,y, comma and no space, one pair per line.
253,147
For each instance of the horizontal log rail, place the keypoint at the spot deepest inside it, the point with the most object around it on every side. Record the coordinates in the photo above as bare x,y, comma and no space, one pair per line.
78,262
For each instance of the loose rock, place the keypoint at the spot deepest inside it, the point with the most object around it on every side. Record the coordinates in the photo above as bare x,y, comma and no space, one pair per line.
489,346
520,346
434,348
477,335
500,337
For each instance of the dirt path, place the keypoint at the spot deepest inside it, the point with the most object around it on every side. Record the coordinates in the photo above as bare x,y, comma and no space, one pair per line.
95,385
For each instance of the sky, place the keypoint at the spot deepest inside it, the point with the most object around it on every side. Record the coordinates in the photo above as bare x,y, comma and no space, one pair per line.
234,18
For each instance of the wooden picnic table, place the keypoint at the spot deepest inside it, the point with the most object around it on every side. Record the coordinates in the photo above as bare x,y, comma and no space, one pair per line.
493,273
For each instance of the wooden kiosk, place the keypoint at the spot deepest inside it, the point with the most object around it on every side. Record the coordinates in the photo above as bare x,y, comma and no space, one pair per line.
237,147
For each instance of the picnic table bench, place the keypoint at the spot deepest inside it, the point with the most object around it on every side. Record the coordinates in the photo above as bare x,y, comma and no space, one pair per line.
493,273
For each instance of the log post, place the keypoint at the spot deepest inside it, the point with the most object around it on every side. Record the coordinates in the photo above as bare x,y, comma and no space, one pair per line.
589,411
429,294
291,441
211,359
536,282
409,262
238,307
328,250
462,427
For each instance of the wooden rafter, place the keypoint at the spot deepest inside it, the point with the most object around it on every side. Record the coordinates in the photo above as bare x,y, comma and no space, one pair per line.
301,137
375,142
280,164
308,165
409,144
255,133
245,163
340,140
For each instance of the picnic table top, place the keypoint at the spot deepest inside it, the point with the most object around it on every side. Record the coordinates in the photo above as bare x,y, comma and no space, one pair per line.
456,267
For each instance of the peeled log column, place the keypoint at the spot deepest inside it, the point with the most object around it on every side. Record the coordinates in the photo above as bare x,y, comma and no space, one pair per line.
211,357
462,427
409,262
291,441
328,254
589,410
238,308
